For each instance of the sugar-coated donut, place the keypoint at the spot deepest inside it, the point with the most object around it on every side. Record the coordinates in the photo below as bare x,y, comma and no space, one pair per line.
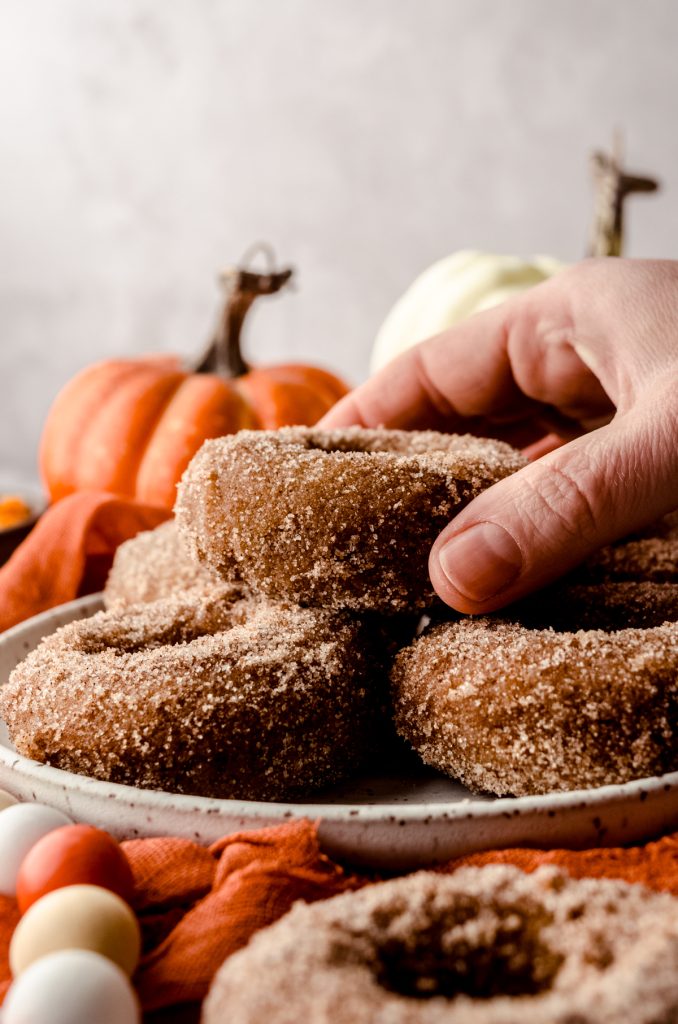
213,696
612,605
337,519
650,555
154,565
483,946
510,709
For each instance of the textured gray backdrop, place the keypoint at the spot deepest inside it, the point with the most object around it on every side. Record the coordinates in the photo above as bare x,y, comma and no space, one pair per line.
145,143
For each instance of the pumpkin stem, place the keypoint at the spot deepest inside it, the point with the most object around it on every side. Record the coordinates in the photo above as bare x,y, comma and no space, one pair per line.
242,287
612,186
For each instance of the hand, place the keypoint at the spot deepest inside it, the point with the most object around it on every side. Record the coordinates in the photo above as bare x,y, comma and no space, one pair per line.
582,372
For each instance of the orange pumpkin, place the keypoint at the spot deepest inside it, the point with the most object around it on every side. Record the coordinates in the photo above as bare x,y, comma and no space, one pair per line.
131,426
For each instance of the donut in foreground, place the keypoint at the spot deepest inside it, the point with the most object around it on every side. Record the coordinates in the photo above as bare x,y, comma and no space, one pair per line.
510,709
483,946
154,565
210,696
339,519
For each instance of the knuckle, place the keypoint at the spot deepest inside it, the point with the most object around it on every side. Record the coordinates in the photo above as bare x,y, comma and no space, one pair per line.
575,500
426,383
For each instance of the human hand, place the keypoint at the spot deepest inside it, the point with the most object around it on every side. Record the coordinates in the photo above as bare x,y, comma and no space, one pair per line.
582,372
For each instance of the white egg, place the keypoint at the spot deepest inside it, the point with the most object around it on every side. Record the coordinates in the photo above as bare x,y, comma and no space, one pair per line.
21,825
74,986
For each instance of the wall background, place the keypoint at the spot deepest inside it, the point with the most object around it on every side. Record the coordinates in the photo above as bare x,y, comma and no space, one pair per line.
146,143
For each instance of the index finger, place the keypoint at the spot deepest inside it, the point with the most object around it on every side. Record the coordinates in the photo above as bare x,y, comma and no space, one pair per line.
463,373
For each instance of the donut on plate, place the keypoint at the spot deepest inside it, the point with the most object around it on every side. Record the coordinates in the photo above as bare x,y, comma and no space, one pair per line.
215,696
153,565
483,946
514,709
651,555
610,606
338,519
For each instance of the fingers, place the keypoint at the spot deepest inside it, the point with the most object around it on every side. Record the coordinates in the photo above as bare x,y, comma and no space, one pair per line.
462,373
503,362
532,527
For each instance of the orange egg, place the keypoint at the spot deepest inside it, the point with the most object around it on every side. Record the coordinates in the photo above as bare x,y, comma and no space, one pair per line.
77,917
73,855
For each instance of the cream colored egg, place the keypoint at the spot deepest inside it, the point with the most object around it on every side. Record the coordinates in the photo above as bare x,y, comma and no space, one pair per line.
74,986
77,917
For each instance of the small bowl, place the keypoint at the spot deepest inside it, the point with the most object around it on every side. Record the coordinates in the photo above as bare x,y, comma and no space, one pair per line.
12,536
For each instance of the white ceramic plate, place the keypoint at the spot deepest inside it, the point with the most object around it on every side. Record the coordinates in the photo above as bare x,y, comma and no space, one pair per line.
398,821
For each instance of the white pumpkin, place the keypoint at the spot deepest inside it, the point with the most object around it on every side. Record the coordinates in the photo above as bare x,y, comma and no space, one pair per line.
469,281
451,290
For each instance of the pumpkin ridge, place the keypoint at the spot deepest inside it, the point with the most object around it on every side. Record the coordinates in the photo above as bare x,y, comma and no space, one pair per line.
202,407
152,427
113,445
61,447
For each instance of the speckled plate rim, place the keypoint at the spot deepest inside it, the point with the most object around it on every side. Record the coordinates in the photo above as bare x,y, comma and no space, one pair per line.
154,800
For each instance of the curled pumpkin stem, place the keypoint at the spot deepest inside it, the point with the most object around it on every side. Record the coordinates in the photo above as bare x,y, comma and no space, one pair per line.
223,355
612,186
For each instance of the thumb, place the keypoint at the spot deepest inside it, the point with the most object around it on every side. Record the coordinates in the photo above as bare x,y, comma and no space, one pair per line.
539,523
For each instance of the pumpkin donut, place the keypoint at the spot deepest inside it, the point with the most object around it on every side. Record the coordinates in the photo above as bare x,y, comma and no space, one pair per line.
211,696
510,708
650,558
154,565
485,945
339,519
609,606
651,555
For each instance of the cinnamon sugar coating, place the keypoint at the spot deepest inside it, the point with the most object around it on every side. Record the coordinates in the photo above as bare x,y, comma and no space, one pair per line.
650,556
509,709
654,559
336,519
210,696
483,946
154,565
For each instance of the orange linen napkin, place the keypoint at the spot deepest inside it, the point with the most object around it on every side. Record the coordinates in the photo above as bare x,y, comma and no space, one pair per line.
69,551
197,905
257,877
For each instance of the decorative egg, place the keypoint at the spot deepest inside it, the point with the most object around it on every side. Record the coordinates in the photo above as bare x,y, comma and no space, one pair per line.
77,917
73,855
21,826
6,799
73,986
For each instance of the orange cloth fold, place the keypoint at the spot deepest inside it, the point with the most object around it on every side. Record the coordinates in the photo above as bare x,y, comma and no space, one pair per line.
69,551
9,917
654,865
258,876
197,906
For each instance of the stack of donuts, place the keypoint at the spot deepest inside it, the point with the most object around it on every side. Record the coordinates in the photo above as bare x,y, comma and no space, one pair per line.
256,645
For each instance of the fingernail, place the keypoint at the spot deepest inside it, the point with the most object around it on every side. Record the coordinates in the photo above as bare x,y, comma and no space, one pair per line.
481,561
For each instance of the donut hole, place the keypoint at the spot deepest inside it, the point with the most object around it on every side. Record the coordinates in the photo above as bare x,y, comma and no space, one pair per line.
320,444
144,628
510,959
377,442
